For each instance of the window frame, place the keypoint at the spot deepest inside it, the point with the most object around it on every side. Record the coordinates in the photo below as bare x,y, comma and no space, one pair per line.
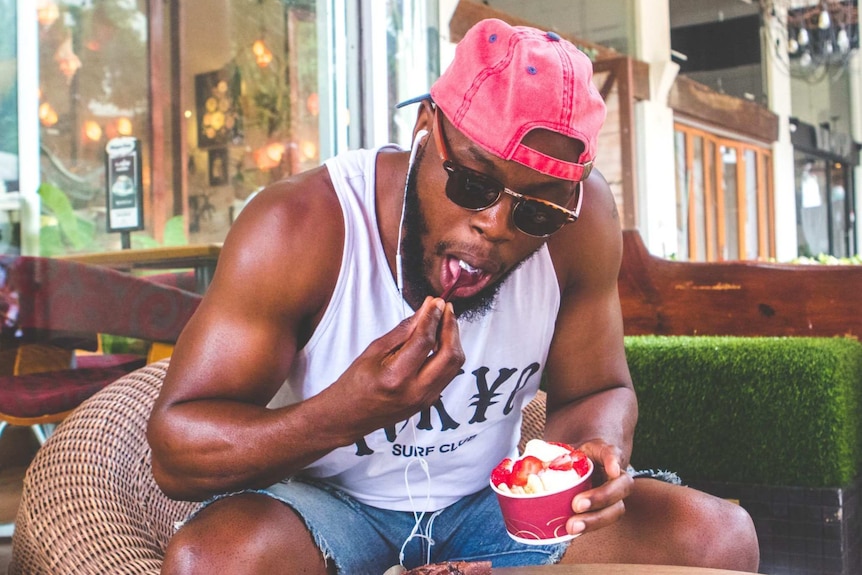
715,224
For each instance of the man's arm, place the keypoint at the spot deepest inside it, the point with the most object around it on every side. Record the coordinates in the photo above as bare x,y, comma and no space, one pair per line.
210,430
591,400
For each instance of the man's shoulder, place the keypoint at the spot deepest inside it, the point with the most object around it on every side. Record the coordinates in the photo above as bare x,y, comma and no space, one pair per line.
292,212
305,190
287,244
593,244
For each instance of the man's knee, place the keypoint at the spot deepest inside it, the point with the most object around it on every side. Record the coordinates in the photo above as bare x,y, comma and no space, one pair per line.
717,533
685,526
243,534
740,537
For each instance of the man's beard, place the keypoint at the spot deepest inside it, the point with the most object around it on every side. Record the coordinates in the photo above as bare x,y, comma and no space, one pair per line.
417,268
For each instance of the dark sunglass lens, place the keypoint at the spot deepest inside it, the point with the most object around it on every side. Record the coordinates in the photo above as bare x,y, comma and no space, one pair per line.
537,219
470,192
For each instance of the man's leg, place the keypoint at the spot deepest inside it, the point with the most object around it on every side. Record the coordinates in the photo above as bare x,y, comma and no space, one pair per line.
248,533
673,525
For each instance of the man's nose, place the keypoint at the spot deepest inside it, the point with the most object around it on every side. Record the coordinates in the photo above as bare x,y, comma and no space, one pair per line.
495,223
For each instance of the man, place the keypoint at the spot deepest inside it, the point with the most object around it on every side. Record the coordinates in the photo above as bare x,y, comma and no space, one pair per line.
354,416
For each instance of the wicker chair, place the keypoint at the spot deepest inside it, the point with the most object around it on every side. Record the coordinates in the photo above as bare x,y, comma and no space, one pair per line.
90,503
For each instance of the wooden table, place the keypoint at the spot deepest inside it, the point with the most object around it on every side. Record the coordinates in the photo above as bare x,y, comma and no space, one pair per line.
202,258
603,569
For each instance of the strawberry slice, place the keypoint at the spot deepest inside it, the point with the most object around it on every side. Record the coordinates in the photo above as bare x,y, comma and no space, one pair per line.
574,459
502,473
580,463
564,462
522,469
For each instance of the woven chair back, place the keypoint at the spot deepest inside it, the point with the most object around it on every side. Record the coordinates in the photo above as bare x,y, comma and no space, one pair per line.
90,503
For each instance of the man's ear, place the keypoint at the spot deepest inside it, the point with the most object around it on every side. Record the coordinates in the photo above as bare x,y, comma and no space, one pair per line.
424,118
420,135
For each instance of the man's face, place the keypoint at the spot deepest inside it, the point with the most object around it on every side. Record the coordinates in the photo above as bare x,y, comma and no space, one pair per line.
417,267
440,236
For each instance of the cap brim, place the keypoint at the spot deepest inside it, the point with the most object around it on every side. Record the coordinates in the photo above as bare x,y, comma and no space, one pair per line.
415,100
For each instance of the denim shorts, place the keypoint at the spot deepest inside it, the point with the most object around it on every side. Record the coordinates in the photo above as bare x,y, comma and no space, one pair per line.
365,540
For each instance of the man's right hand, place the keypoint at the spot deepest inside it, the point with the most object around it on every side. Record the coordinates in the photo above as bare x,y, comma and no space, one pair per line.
403,371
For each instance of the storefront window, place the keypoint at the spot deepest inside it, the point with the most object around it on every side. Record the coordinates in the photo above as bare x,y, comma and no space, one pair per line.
222,98
93,87
252,76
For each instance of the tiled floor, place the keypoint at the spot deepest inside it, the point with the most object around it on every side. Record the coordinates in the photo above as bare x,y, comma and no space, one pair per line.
17,447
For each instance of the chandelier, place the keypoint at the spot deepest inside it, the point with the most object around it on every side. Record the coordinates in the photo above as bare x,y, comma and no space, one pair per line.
819,36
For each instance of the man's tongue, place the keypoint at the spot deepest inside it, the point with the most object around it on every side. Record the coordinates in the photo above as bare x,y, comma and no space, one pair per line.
463,275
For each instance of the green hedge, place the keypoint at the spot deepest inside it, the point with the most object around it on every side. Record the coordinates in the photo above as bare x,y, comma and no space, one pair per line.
768,411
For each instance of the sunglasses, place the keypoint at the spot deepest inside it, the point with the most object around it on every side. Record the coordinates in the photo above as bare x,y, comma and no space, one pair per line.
475,191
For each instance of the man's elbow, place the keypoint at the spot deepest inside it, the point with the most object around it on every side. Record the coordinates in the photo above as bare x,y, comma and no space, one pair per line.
174,482
173,486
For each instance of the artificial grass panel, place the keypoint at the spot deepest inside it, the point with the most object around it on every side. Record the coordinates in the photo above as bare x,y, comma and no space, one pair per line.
768,411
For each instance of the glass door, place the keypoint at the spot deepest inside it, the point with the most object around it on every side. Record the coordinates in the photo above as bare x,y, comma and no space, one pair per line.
842,215
824,200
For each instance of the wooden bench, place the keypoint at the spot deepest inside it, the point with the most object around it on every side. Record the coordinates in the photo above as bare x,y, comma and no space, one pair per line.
743,298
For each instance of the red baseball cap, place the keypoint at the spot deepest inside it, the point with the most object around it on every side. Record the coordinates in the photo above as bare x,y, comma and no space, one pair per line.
508,80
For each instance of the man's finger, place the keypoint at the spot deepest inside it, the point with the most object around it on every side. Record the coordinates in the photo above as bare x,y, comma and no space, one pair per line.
606,495
592,521
422,339
448,354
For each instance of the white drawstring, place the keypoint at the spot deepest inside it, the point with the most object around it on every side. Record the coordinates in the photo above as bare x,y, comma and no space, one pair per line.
417,532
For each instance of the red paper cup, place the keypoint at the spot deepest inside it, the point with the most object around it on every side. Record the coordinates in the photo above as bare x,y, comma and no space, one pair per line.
541,519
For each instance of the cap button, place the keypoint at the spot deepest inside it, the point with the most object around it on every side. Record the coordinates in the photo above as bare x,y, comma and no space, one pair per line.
553,36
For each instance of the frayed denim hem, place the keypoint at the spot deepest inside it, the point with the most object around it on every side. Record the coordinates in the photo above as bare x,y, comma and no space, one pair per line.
660,474
319,540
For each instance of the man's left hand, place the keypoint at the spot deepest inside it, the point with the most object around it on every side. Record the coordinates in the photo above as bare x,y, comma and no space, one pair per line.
603,504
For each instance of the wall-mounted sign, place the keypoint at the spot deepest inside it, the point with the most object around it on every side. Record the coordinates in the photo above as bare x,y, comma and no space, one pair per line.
124,187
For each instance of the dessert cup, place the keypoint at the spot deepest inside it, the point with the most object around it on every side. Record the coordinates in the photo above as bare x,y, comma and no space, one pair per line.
540,519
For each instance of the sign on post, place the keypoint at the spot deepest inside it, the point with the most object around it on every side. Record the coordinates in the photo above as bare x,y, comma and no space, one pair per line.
125,191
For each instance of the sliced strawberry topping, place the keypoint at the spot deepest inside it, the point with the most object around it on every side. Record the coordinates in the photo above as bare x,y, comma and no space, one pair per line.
574,459
562,463
524,467
502,473
580,463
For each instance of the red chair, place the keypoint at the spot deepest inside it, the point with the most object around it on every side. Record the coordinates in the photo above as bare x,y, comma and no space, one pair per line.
49,308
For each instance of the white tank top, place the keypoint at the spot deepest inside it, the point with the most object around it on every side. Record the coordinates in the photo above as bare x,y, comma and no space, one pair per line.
476,423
